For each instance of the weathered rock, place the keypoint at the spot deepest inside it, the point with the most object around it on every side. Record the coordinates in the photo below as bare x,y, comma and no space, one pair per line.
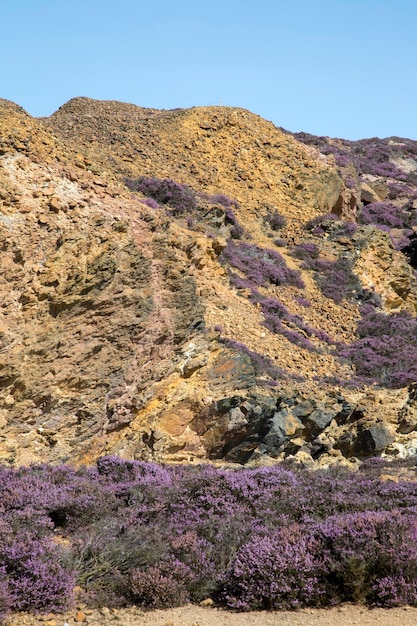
122,330
373,439
386,272
368,194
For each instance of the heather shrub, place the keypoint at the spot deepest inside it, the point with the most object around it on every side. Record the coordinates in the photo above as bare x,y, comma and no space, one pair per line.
369,156
335,279
275,313
105,555
260,266
305,251
5,599
386,348
160,586
275,571
399,190
270,537
303,301
237,231
382,213
38,577
275,221
361,552
180,198
150,202
346,229
224,200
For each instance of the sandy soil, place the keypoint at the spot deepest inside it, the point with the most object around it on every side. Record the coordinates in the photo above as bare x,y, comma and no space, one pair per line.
346,615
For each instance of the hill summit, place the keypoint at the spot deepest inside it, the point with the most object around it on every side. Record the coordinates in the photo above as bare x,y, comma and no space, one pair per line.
198,284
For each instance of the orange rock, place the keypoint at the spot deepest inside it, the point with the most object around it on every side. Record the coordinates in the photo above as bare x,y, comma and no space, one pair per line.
80,616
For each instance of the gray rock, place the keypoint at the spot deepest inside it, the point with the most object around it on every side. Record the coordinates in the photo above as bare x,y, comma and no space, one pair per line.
372,440
318,420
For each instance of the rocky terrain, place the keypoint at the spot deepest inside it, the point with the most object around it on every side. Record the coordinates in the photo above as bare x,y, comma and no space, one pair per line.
198,616
198,284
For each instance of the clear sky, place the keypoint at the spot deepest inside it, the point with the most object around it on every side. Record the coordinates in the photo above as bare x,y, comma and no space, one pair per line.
343,68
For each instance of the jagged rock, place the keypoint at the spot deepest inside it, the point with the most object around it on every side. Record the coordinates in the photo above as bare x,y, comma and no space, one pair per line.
123,331
282,427
386,272
231,370
373,439
368,194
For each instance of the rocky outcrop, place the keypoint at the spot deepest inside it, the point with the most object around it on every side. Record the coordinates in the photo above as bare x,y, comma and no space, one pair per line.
386,272
126,329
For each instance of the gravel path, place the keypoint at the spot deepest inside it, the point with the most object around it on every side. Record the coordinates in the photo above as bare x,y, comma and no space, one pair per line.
346,615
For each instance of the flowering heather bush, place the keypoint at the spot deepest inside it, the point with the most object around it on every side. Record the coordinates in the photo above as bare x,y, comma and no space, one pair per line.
224,200
268,537
38,578
305,250
369,156
303,301
383,213
260,266
237,231
386,350
275,220
335,278
278,570
160,586
275,313
150,202
399,190
347,229
180,198
370,557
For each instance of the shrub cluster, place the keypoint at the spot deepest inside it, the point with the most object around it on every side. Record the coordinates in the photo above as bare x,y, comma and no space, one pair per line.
335,279
259,266
294,327
369,156
180,198
384,214
265,538
305,250
275,220
386,349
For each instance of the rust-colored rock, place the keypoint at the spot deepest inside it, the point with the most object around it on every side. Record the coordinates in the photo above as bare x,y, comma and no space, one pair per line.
120,329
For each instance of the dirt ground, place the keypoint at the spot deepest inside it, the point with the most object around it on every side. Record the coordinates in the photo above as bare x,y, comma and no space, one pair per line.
346,615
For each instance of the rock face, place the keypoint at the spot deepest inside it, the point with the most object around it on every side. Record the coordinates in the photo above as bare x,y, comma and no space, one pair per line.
210,330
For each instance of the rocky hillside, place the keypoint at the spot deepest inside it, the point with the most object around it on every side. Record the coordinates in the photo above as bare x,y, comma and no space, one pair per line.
199,284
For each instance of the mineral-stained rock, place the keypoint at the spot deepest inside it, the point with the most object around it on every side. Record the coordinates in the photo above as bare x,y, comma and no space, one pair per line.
231,369
123,330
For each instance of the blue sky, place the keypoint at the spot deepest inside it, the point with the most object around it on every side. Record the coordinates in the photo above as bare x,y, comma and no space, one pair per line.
328,67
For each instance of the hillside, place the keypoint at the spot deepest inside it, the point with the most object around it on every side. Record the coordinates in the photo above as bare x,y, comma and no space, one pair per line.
199,284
